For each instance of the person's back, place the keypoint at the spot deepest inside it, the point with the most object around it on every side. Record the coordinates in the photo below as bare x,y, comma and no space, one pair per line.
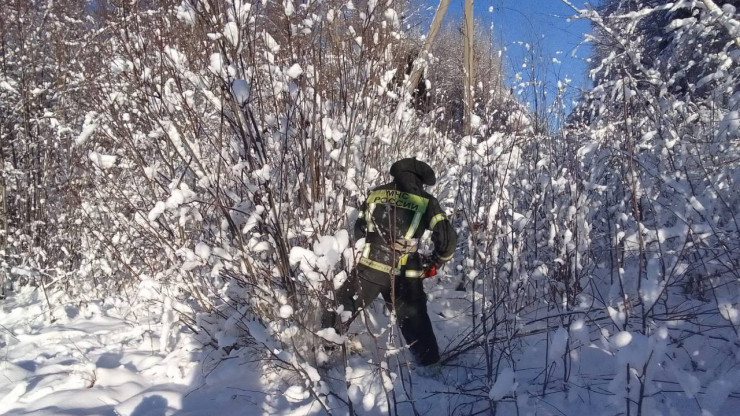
392,220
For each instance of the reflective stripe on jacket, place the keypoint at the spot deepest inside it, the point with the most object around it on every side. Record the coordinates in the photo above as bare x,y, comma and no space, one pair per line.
392,221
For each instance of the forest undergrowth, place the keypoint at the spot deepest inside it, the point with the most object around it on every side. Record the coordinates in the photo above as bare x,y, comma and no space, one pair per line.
216,151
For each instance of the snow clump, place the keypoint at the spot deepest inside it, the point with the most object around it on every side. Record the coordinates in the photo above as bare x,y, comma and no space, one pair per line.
240,89
330,334
102,161
294,71
286,311
505,384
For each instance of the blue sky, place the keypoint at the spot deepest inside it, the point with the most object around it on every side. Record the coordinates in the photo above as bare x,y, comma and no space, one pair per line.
545,26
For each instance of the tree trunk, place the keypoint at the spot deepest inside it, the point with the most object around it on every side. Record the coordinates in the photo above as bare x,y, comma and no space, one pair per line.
468,36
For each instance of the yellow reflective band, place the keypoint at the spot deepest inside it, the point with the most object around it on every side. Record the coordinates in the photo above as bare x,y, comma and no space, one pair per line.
435,219
414,225
370,222
378,266
446,258
402,260
382,267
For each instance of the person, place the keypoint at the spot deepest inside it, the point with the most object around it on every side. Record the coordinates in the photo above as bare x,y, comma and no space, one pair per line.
392,219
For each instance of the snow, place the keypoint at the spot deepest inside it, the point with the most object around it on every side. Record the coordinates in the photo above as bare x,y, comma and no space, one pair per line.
294,71
618,316
288,7
270,42
102,161
186,12
231,32
220,252
119,65
332,247
392,16
158,210
475,121
241,91
558,344
505,385
730,124
90,361
578,331
202,250
296,394
729,311
622,339
688,382
97,359
216,63
200,244
101,359
262,174
717,393
286,311
179,60
88,128
179,197
6,86
330,334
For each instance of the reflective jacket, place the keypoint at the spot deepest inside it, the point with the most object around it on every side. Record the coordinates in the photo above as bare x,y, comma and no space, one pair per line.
393,220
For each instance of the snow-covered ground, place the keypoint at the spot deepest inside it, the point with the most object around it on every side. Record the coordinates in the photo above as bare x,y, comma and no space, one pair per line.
104,358
97,359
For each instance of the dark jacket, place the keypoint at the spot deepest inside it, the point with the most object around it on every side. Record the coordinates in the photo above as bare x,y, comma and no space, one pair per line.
394,217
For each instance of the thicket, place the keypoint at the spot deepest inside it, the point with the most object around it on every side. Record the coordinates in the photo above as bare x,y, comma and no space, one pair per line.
206,157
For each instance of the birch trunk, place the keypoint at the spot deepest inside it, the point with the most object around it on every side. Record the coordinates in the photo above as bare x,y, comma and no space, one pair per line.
420,62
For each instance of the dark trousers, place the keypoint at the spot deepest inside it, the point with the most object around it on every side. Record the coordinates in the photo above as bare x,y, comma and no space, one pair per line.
408,298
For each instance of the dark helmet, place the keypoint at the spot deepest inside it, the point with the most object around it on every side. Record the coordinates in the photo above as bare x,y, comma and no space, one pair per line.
409,170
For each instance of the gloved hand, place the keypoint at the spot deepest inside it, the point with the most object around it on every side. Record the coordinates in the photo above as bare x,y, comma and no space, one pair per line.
431,270
429,265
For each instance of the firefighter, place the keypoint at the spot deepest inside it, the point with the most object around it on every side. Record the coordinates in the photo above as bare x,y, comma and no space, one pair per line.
392,220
